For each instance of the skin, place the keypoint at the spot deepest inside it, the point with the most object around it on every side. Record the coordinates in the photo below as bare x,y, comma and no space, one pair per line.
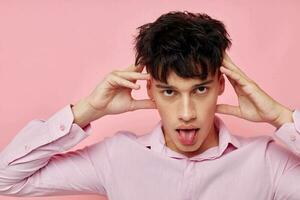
187,105
254,104
197,107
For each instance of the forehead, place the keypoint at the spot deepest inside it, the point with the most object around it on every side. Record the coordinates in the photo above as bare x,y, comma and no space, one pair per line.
174,79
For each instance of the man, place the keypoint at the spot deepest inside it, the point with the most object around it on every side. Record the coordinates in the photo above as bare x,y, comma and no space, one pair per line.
190,154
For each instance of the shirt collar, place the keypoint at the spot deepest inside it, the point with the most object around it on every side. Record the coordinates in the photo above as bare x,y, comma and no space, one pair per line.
157,143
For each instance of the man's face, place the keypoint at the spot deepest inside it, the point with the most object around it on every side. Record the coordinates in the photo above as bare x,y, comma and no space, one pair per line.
184,103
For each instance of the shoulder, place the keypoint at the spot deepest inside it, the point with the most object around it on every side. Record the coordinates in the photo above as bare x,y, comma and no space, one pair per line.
274,153
261,142
256,147
121,136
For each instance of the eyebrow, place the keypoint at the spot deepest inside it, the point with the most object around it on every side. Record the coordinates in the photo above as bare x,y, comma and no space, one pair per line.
173,87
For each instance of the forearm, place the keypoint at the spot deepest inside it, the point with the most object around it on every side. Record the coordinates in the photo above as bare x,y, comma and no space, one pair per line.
25,162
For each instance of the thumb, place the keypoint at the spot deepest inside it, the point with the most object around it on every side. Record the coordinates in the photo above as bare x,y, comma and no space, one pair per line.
143,104
228,110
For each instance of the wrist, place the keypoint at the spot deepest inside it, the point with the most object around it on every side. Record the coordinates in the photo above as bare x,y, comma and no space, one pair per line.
285,116
84,113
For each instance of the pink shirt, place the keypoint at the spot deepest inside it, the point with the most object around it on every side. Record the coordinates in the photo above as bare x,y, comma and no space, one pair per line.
130,167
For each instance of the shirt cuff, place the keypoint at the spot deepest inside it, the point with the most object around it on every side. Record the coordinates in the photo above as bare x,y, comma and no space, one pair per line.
289,133
62,121
58,131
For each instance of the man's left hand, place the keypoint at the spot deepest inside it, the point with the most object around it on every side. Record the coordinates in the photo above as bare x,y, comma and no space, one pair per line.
254,104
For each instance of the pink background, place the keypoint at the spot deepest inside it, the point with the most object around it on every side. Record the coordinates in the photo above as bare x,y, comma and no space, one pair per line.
53,53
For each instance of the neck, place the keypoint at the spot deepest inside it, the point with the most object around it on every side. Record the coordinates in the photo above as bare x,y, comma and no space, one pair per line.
212,139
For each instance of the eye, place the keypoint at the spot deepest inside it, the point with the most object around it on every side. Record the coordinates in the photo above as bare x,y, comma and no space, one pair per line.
202,90
168,92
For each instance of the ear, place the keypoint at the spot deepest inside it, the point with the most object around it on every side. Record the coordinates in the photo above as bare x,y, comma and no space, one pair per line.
221,84
149,92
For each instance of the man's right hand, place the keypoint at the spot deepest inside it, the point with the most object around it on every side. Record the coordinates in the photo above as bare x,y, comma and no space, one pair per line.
112,96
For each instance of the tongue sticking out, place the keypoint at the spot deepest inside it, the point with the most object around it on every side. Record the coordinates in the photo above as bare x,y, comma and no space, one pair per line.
187,137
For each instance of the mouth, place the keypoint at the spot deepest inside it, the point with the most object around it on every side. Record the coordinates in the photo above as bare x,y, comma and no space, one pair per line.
190,129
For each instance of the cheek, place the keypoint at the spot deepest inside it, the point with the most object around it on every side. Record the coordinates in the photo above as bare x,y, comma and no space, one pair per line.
164,108
206,107
212,98
161,103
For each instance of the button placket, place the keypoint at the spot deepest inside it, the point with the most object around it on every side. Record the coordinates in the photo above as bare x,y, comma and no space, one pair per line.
187,180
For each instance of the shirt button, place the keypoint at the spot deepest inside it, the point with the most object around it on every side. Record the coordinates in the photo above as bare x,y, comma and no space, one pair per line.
26,147
293,138
62,127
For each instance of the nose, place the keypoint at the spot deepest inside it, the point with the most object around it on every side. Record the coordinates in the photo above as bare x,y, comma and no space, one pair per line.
187,110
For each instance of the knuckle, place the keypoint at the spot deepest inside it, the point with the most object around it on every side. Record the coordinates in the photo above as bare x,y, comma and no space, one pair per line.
115,72
131,107
252,85
119,73
111,76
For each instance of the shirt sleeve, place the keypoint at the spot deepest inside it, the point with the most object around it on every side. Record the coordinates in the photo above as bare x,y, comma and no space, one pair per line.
33,163
284,163
289,134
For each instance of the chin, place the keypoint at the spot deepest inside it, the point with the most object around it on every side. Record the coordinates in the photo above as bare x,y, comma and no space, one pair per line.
190,149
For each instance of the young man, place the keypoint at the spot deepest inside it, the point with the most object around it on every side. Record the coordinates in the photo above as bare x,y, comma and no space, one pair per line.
190,154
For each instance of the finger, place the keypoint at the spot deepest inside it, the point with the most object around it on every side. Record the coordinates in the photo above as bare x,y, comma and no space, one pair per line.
229,110
143,104
132,76
234,76
117,81
227,62
233,83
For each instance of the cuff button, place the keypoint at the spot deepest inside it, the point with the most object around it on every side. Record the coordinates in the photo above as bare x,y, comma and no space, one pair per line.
62,127
26,148
293,138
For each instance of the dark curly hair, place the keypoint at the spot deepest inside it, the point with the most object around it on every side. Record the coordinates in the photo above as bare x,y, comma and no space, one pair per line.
190,44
